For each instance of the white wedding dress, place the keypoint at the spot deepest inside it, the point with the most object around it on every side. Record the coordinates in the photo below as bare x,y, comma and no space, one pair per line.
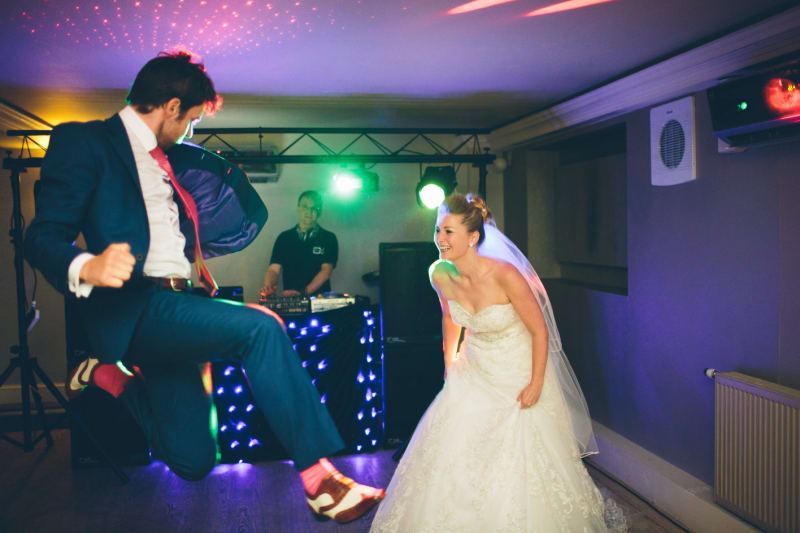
478,462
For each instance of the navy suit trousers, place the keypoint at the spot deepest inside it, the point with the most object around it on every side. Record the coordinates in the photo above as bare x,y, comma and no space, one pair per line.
180,330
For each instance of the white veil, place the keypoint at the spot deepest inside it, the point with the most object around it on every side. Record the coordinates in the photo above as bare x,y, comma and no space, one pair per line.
498,246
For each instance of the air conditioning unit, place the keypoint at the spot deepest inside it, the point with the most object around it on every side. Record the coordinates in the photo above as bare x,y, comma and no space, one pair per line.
672,143
759,109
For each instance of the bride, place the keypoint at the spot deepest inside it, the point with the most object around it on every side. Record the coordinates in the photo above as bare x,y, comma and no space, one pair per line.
500,447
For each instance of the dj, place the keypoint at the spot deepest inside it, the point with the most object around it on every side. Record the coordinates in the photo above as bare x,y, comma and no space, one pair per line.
306,253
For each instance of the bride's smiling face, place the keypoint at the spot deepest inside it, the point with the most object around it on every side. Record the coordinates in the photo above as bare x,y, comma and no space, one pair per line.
452,237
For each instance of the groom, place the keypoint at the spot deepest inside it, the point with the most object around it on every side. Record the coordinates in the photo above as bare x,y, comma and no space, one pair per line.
111,181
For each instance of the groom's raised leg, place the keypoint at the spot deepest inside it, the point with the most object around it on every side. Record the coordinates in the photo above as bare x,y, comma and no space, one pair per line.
179,327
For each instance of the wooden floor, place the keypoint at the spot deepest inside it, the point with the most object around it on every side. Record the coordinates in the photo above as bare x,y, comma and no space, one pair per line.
40,492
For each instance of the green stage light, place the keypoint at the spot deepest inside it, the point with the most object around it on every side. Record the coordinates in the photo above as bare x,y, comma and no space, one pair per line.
431,195
435,185
347,182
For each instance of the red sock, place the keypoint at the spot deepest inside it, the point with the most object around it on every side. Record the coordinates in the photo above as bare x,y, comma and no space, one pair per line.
111,379
314,474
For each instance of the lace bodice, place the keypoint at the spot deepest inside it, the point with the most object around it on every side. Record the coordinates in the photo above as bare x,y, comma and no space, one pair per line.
497,342
495,320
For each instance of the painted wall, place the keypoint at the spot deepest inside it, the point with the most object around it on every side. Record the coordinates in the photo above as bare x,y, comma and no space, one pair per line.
712,282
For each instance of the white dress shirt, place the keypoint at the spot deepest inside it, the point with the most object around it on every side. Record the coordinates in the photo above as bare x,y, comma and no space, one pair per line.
165,257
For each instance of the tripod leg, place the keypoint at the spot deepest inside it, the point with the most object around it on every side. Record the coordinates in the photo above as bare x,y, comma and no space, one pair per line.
25,376
37,398
79,421
12,365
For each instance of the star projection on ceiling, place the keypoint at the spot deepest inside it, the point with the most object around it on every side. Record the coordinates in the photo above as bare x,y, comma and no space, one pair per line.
217,26
204,26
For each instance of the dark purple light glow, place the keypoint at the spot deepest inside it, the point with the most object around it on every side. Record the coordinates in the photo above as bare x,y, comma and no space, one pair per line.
411,48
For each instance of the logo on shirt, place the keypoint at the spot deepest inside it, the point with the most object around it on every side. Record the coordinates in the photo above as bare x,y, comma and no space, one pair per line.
318,250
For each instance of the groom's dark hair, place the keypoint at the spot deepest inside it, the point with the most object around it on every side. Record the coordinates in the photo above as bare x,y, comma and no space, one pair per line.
174,75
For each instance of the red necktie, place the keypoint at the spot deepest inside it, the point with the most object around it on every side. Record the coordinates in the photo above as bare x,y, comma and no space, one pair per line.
206,279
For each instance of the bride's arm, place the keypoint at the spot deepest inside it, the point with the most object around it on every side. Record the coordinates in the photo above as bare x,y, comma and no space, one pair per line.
450,334
524,302
439,274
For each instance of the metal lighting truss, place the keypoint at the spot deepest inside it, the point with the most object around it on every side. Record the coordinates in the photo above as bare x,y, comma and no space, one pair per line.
413,146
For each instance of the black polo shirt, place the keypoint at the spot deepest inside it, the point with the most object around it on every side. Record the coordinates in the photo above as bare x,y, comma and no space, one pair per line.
302,255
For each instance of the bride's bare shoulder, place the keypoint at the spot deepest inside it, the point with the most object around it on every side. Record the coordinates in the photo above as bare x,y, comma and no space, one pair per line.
498,267
504,273
441,272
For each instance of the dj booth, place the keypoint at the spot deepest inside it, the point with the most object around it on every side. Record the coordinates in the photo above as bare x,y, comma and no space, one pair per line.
337,339
338,342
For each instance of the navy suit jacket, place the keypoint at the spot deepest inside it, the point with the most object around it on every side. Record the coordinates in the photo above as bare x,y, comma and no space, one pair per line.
89,185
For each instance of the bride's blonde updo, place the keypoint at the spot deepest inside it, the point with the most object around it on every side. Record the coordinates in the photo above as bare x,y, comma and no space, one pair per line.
473,211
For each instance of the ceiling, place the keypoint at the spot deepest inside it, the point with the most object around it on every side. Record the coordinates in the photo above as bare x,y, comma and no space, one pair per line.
352,62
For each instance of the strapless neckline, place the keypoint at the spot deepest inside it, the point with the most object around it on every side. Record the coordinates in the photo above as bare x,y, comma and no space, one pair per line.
479,311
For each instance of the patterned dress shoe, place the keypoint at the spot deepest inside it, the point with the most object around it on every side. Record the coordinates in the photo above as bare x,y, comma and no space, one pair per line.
342,499
80,377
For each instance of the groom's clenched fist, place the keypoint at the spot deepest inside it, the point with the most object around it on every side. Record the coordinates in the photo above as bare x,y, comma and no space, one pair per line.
112,268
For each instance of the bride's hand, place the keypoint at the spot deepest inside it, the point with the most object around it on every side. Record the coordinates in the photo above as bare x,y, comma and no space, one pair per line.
529,395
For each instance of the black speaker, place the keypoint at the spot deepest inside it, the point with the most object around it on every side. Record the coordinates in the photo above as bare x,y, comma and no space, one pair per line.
409,306
413,373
